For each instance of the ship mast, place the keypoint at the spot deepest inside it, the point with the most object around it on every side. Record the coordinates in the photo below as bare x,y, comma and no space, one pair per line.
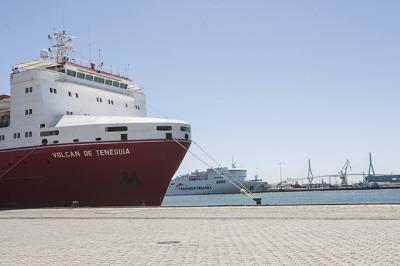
62,44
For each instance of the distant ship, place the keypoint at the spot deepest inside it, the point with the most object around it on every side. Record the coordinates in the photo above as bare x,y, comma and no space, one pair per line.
210,182
74,134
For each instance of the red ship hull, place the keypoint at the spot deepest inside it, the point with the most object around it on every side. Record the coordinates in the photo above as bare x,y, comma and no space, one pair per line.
129,173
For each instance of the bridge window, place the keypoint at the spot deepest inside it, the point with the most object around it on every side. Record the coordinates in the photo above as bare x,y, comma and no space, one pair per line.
99,80
89,77
116,84
123,86
71,73
108,82
80,75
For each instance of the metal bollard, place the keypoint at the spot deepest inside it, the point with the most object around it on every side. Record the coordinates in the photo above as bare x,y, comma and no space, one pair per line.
257,200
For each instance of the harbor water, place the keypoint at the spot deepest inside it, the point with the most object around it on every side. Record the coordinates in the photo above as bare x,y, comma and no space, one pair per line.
282,198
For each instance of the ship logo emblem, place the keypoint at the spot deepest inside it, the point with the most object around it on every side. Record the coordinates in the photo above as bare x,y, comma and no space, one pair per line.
130,178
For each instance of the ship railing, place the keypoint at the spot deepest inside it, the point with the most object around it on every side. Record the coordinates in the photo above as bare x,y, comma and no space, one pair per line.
35,64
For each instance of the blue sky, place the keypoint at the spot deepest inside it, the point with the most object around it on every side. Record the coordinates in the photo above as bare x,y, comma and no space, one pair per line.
262,81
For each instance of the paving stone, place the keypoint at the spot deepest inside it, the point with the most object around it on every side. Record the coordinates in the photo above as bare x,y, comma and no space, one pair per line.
232,235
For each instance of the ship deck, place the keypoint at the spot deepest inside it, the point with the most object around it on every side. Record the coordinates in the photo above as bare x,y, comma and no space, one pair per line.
230,235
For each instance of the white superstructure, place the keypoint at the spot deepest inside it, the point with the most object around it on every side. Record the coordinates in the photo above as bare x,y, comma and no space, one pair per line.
56,101
213,182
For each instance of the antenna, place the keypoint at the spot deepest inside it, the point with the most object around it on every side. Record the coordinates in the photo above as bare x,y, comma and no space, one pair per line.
371,167
90,52
100,62
61,44
234,165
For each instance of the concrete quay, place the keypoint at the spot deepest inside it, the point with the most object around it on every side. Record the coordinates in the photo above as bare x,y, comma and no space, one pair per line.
232,235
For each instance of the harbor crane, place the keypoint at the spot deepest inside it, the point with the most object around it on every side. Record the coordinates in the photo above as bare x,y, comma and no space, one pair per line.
343,173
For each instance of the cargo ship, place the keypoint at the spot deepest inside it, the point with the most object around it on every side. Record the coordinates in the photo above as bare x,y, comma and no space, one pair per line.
71,133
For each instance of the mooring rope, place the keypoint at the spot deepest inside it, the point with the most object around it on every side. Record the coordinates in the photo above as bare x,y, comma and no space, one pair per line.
242,189
17,163
215,161
245,192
